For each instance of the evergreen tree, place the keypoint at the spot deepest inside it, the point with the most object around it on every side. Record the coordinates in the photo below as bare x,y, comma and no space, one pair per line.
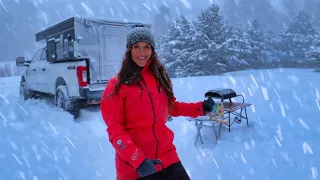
298,37
177,47
273,53
212,25
258,55
240,45
302,24
210,46
313,52
213,33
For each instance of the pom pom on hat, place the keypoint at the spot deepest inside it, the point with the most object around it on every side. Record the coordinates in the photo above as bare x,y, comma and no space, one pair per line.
139,34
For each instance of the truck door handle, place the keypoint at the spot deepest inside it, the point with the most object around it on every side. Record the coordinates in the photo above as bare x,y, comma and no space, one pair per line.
43,69
34,69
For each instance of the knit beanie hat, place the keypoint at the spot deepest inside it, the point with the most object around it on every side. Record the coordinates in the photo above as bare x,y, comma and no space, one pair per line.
140,34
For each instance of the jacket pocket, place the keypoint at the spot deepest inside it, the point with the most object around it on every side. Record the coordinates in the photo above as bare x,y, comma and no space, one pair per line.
124,169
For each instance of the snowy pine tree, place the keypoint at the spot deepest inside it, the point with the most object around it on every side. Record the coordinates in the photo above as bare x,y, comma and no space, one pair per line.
239,45
177,47
212,35
313,52
297,38
210,46
273,53
253,47
258,51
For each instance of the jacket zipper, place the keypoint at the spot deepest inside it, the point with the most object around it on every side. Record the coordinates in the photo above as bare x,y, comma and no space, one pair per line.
154,117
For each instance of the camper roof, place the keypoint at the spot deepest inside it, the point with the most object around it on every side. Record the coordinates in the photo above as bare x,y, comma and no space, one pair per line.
111,20
69,23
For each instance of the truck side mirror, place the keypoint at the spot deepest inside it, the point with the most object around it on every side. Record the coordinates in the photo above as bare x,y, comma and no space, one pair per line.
20,61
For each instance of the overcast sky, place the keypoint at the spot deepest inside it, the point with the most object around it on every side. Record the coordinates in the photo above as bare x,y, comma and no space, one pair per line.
21,19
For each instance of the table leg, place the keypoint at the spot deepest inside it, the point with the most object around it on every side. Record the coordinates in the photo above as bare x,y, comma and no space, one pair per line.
199,136
245,110
229,125
196,141
219,132
200,133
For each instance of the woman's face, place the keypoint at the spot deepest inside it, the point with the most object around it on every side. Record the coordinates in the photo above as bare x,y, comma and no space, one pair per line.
141,53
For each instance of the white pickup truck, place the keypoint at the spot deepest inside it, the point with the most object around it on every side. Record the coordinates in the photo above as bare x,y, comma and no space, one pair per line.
78,58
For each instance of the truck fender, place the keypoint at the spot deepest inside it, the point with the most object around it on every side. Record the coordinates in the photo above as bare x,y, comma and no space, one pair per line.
59,81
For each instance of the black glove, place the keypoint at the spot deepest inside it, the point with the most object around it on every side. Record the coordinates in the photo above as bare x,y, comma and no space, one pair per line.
208,105
147,167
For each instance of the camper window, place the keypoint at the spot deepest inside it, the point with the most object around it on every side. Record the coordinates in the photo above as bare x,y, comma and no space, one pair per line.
51,45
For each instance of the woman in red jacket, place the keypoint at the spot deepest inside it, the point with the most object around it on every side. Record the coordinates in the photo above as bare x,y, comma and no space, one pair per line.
135,107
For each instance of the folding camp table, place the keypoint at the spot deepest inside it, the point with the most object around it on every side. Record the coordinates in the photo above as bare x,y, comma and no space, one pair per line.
230,108
205,121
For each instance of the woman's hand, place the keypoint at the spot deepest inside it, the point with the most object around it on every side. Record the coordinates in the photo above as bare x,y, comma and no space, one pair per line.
208,105
148,167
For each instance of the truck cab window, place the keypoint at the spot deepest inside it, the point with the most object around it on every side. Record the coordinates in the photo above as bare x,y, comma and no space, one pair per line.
43,55
37,56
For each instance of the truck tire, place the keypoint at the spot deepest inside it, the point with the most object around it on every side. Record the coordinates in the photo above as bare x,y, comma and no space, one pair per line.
25,93
65,102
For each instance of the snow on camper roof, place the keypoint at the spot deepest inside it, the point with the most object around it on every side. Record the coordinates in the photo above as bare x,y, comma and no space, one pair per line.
111,20
69,24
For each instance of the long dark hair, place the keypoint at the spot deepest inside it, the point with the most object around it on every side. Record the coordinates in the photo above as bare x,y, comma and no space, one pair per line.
130,74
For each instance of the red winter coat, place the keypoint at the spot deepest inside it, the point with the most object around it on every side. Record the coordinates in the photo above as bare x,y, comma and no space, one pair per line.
136,126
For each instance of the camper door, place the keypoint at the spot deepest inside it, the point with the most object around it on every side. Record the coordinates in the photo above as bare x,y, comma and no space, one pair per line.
113,42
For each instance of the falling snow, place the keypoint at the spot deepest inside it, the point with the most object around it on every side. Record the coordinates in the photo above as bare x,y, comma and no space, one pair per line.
125,7
307,148
58,14
276,93
279,133
16,158
70,141
303,124
215,162
1,3
44,16
145,5
53,128
283,113
232,80
318,104
111,11
265,93
254,80
88,10
314,172
250,93
293,78
317,94
271,107
243,159
277,140
186,4
38,141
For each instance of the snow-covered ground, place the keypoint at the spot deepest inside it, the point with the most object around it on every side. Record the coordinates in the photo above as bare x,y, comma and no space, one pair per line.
10,69
38,141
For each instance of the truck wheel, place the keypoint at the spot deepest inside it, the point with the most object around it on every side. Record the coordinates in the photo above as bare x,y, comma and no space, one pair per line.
63,101
25,93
